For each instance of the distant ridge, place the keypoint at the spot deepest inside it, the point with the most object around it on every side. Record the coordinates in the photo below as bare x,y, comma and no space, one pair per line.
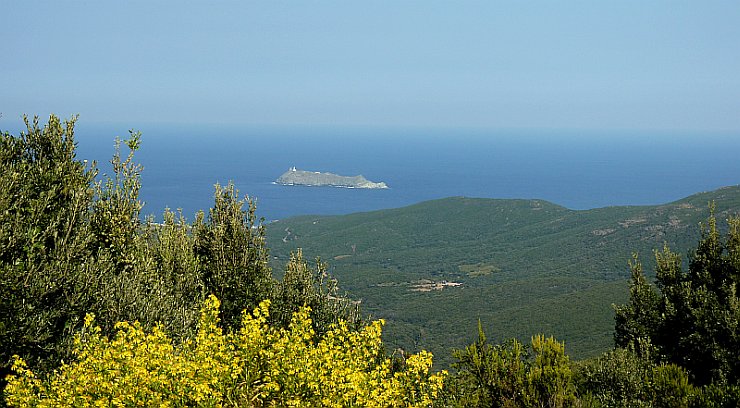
522,266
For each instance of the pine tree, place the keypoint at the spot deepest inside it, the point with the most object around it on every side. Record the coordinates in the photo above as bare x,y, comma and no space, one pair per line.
694,318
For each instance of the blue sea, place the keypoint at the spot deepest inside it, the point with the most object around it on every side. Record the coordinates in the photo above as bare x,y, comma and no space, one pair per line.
575,169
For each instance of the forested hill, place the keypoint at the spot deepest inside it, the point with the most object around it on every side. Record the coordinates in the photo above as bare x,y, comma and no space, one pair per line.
520,266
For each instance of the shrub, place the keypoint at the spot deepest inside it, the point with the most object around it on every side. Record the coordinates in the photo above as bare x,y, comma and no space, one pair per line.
623,378
509,375
258,365
304,285
618,378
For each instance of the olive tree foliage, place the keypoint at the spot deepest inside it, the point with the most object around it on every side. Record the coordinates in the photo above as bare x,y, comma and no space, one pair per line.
691,317
70,245
114,220
73,243
134,286
47,266
304,285
233,263
229,246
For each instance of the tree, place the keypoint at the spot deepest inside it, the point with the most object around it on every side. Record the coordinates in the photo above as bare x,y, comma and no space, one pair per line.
637,320
45,241
303,285
230,249
693,319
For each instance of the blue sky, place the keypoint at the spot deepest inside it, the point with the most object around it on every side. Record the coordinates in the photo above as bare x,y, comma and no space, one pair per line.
647,65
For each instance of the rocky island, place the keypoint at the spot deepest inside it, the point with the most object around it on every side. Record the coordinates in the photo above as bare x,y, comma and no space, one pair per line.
295,177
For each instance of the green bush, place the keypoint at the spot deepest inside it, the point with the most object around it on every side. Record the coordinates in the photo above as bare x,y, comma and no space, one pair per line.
622,378
717,396
671,387
303,285
510,375
618,379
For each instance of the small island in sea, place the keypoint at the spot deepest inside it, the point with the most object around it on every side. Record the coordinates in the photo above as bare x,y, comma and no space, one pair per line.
295,177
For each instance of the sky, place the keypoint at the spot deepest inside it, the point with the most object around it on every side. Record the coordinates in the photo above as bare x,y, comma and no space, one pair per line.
602,65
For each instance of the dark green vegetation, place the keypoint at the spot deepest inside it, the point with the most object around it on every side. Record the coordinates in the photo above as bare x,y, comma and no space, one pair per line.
526,266
677,345
513,375
71,245
693,318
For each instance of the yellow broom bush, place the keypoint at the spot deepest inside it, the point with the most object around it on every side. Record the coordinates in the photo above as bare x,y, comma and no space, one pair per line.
258,365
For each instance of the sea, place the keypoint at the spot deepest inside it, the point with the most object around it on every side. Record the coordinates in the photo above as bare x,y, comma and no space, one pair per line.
577,169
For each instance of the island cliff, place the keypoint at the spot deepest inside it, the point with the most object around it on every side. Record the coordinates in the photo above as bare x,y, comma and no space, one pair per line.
294,177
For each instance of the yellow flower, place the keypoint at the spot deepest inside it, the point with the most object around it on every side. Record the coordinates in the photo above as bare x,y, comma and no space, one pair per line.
258,364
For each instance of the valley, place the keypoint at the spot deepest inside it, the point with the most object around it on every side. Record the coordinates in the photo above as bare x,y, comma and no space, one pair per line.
522,267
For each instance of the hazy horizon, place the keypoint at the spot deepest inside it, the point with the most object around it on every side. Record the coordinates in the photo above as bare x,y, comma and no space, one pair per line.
575,170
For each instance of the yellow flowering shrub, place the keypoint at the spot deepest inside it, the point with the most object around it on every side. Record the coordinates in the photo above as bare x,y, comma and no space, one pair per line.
258,365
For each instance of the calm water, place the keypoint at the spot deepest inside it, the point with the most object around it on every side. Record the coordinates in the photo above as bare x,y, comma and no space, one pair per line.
578,170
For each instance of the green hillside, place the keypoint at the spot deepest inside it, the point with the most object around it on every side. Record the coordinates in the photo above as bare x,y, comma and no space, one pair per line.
522,267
